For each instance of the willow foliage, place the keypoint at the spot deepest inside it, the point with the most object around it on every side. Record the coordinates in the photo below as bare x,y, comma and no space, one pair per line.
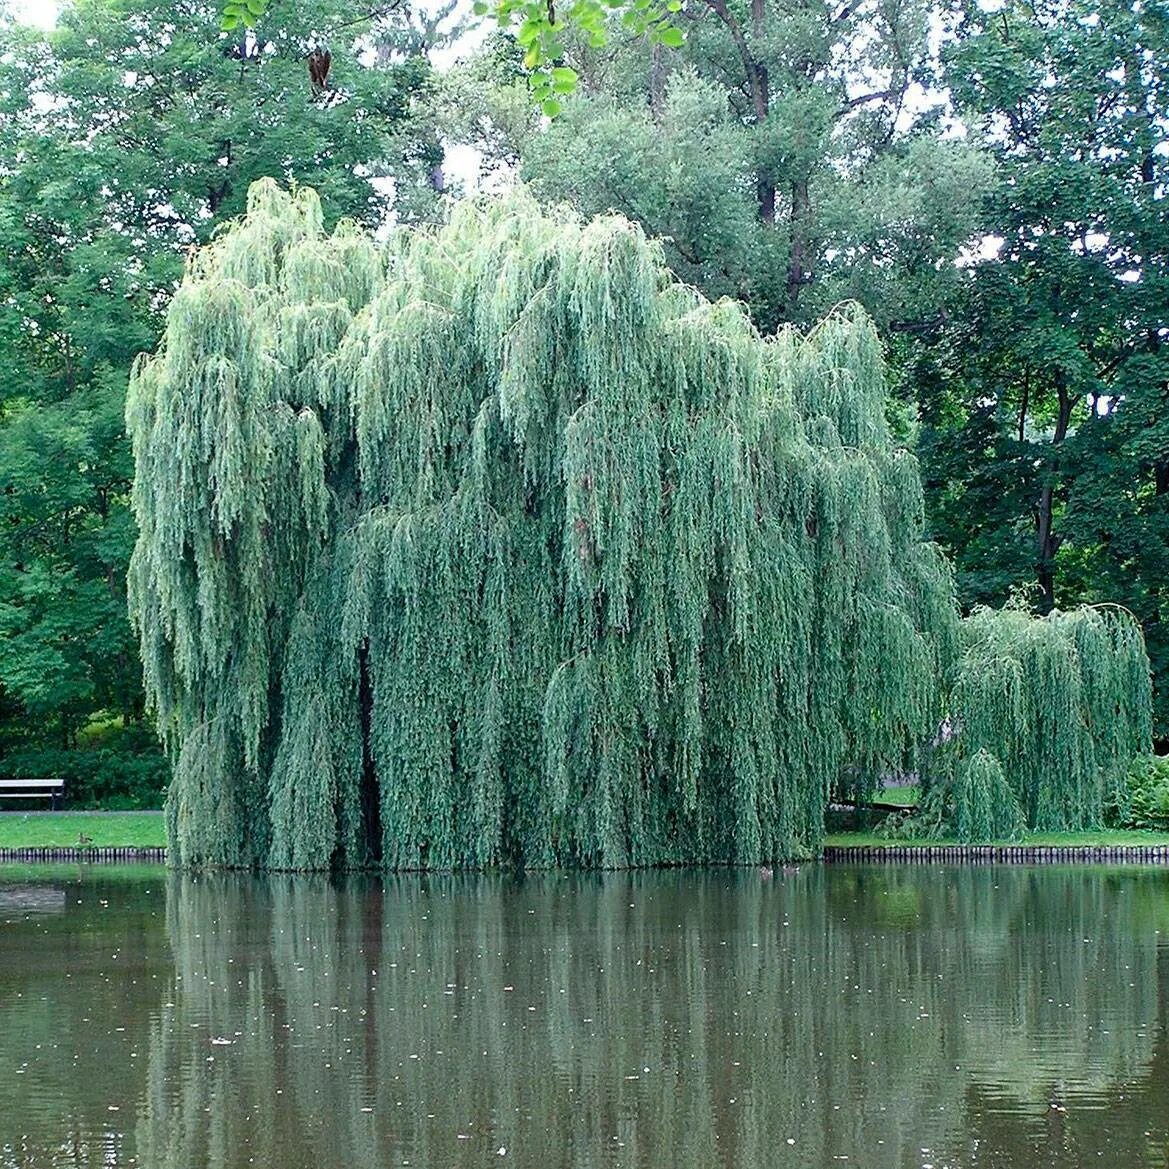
1054,708
495,545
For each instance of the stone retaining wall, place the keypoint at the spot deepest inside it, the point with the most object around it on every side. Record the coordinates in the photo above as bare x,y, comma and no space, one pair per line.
83,854
1001,853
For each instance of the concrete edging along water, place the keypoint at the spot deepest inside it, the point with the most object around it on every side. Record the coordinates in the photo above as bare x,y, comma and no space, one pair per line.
833,854
1000,853
48,853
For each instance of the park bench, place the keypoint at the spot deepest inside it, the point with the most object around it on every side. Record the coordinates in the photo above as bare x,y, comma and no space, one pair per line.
33,789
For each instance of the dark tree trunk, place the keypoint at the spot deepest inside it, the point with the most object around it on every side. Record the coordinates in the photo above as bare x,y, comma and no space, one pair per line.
370,797
1048,541
758,88
800,262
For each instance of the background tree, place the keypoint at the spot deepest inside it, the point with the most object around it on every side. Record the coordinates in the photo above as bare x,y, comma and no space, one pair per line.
788,152
1046,440
796,154
127,134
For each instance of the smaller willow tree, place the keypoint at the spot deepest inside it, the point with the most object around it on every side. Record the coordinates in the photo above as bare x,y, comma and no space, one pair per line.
499,546
1047,715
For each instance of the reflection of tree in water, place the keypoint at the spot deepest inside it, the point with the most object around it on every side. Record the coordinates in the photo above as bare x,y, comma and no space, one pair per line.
1119,1124
78,986
689,1020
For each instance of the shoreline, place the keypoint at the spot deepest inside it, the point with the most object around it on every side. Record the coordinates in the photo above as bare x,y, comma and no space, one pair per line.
899,853
106,854
1010,854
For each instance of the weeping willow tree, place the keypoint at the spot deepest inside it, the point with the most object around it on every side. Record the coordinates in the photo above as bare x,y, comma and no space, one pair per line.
496,545
1047,715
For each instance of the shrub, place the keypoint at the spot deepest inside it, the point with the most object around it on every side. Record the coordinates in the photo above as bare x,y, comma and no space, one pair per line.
974,805
985,807
124,769
1146,803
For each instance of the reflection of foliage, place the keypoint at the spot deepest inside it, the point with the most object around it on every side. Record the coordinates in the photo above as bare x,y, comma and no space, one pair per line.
526,1015
78,989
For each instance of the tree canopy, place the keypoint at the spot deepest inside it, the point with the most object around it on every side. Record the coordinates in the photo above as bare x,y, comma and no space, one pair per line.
501,546
987,185
128,133
509,548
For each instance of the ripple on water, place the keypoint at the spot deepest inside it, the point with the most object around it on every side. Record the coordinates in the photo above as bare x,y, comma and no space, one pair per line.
873,1016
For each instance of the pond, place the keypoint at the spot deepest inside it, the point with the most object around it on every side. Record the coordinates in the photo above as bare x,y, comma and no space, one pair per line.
875,1016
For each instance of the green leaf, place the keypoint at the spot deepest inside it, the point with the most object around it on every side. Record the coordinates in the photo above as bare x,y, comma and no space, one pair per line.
564,79
550,106
672,37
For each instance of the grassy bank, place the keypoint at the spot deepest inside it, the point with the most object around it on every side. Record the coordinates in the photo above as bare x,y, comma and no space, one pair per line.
67,829
145,830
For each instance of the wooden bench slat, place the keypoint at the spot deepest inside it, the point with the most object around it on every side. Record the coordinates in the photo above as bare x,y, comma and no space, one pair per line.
52,790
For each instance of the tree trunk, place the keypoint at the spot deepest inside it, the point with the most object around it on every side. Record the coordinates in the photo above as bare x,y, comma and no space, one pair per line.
758,87
1048,541
657,83
370,795
800,261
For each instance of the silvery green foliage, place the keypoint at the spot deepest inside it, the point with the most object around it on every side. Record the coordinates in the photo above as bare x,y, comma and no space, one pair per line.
496,545
1058,706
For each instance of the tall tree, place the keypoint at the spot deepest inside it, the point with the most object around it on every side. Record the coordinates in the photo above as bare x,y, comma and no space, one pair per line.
515,551
790,154
127,135
1046,446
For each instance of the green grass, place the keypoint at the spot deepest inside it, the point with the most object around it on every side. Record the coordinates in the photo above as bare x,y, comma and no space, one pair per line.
145,830
1109,837
904,796
65,829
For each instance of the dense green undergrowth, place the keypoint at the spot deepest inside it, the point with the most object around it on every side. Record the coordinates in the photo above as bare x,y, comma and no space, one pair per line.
977,805
112,767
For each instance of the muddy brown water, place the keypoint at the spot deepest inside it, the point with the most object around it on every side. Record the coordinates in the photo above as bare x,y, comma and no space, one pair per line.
846,1015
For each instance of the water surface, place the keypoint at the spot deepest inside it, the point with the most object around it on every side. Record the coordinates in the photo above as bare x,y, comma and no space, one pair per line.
836,1016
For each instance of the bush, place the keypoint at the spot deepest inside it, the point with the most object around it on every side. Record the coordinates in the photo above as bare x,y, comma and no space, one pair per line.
974,805
125,769
1146,803
985,807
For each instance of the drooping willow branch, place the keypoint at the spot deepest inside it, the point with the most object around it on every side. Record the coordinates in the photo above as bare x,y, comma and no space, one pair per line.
499,546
